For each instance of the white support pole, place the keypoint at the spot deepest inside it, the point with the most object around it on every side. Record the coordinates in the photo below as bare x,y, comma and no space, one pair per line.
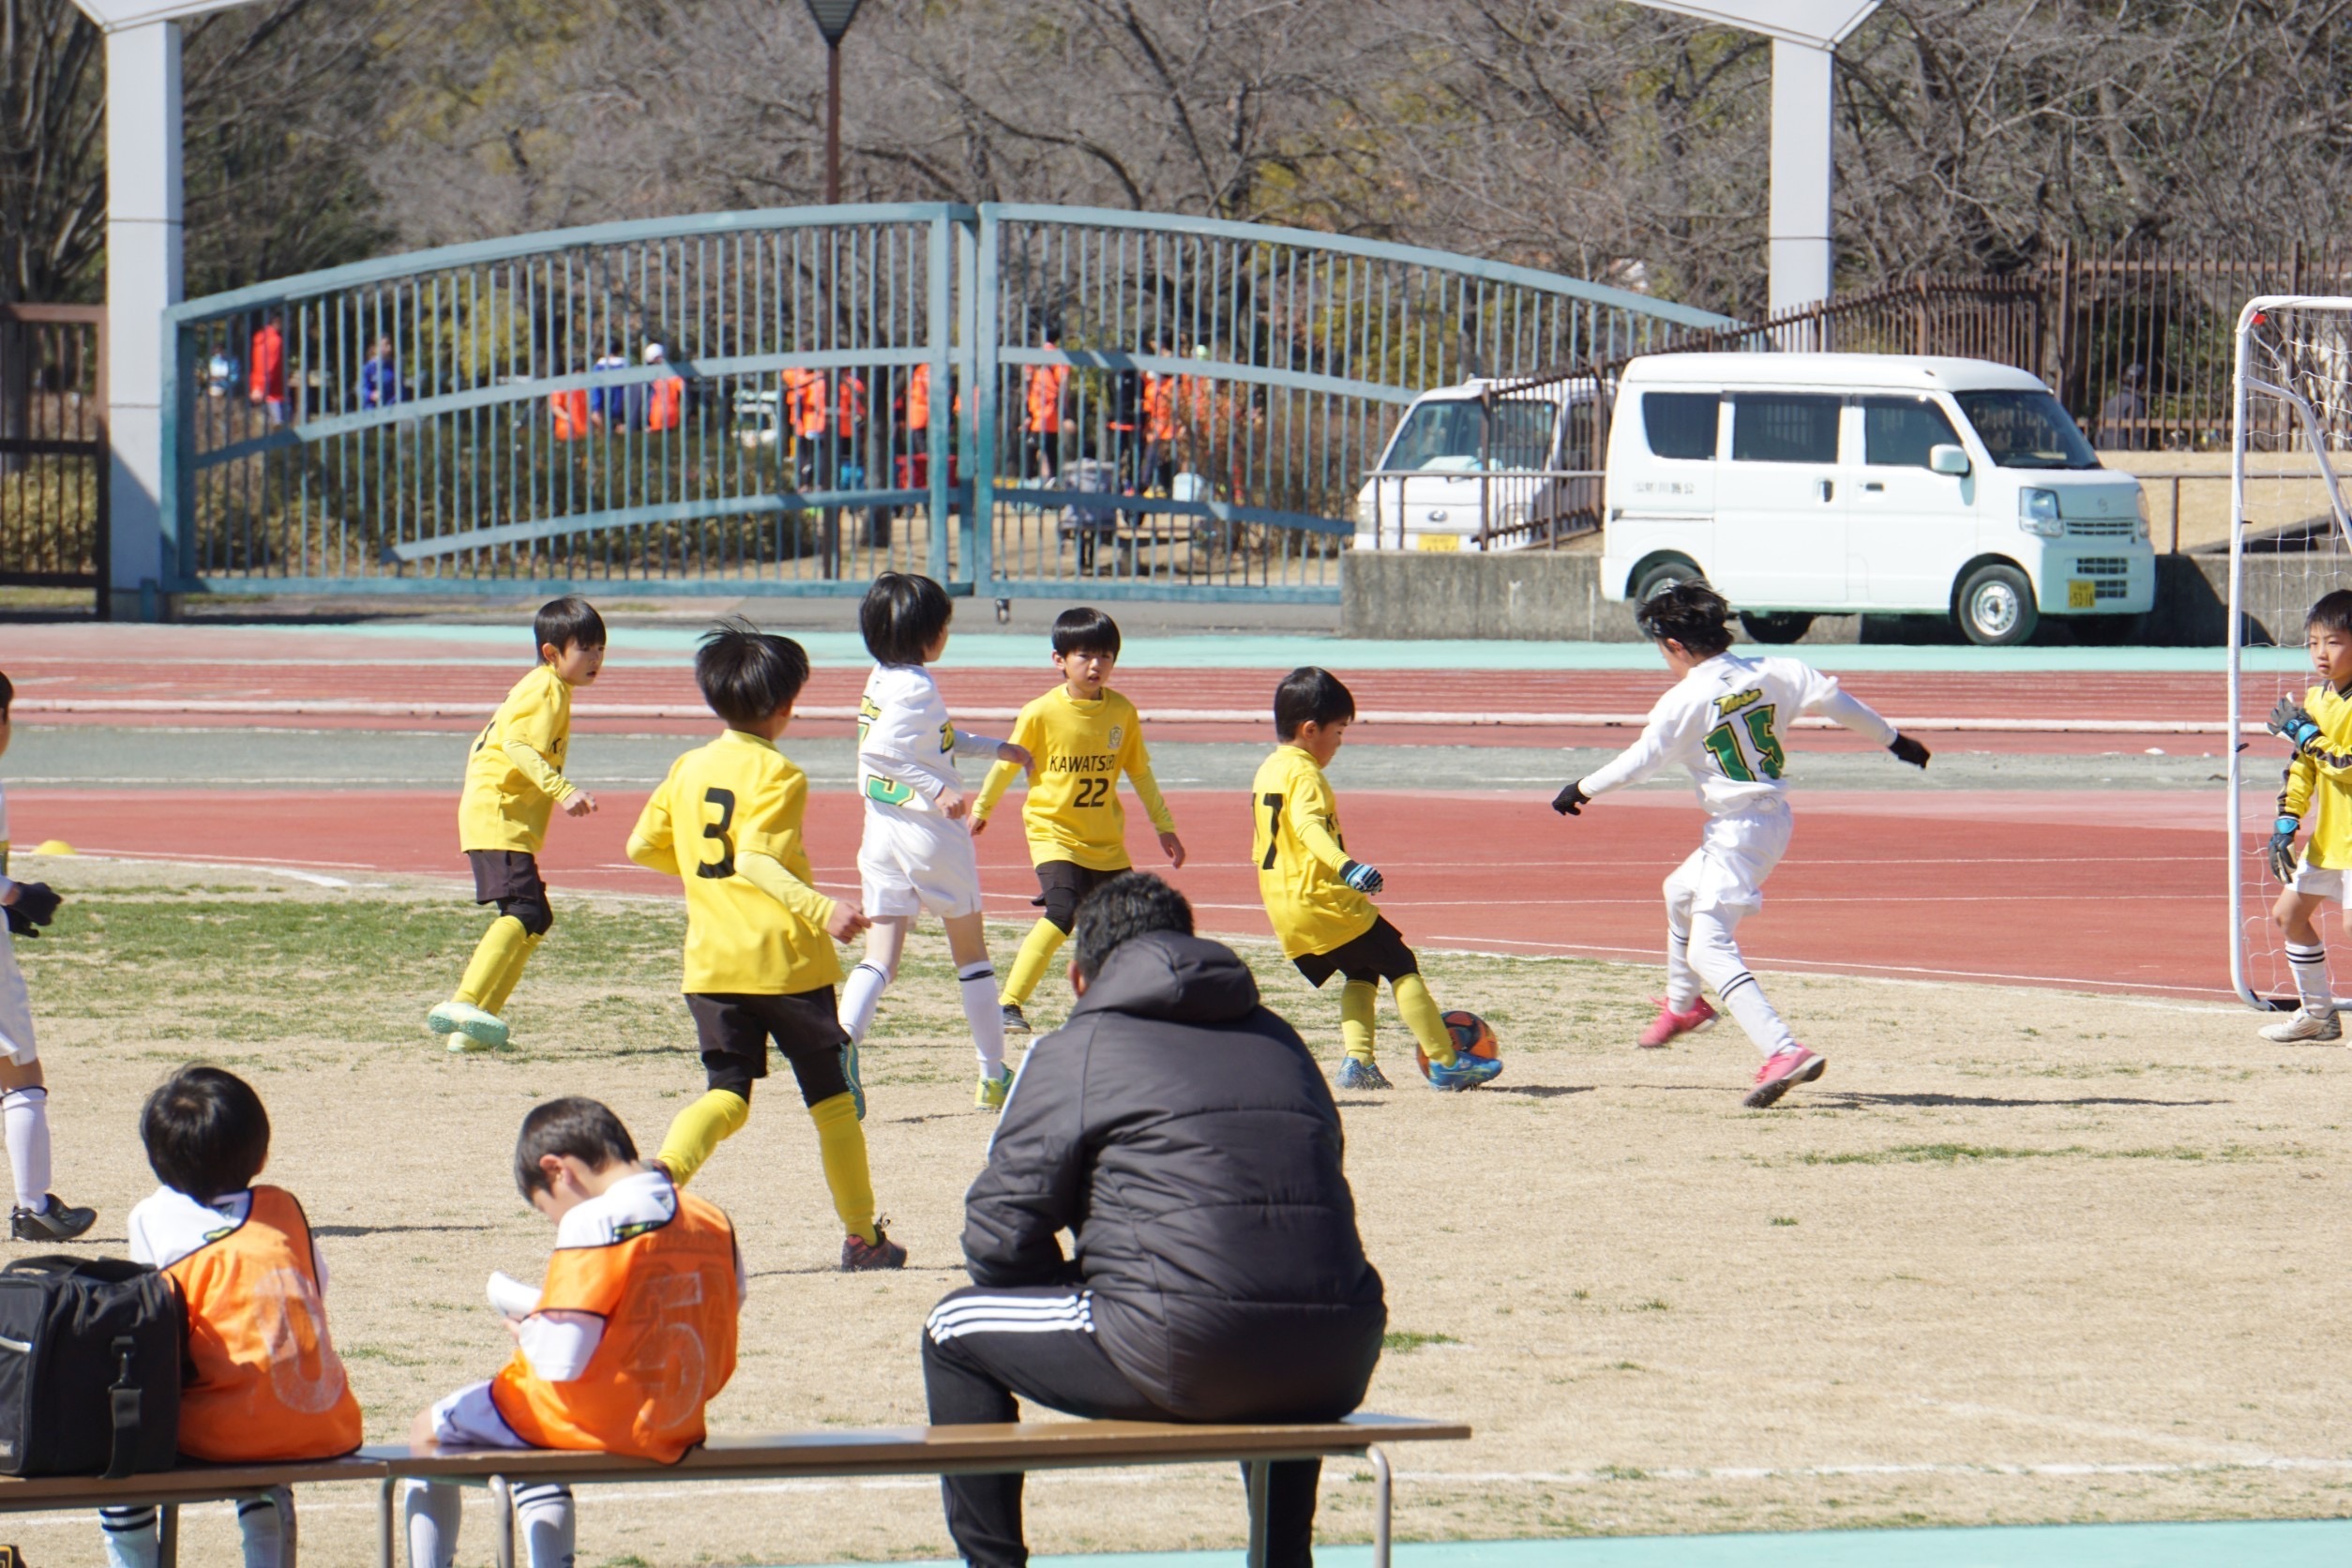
143,278
1804,79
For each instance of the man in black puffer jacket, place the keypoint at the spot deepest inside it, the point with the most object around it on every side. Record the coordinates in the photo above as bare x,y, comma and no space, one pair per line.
1184,1134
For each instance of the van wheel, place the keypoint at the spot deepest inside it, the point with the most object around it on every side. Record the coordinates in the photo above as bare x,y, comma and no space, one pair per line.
1665,572
1995,607
1776,628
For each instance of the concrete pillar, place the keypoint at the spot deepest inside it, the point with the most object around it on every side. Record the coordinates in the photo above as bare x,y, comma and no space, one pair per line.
143,278
1804,79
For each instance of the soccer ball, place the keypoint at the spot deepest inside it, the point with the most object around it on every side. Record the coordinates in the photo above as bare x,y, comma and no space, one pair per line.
1471,1037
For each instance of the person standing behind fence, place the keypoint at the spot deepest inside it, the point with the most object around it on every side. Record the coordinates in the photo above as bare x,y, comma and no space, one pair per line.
609,406
380,377
1042,387
849,425
267,386
805,397
665,398
2124,417
1159,428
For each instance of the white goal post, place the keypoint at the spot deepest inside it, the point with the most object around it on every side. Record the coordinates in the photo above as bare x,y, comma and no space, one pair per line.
2290,541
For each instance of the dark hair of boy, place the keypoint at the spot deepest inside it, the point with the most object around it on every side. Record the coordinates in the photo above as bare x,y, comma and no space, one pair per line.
567,623
902,617
746,674
206,1133
1310,696
1130,905
8,696
2331,612
583,1129
1689,614
1085,630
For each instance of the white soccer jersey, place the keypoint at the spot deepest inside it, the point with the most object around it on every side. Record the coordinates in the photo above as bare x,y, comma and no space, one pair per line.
1722,722
907,746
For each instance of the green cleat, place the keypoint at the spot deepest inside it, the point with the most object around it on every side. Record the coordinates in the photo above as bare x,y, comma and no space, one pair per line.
993,1090
469,1028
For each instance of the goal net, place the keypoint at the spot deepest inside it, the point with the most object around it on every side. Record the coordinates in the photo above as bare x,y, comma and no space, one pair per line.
2291,541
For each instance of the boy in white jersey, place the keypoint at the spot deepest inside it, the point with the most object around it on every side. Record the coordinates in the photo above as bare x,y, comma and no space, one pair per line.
1719,721
38,1215
916,852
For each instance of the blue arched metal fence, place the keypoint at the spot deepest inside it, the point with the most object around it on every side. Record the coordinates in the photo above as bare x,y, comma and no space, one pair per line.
1011,398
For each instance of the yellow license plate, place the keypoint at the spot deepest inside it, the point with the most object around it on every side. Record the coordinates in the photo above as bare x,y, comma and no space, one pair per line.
1454,541
2080,593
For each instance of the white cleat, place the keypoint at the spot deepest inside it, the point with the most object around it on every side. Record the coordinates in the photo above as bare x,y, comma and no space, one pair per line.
2305,1028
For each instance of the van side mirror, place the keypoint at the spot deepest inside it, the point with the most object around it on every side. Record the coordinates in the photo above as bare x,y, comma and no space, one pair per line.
1944,458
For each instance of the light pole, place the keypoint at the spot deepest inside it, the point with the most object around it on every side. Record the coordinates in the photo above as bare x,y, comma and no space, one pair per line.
833,19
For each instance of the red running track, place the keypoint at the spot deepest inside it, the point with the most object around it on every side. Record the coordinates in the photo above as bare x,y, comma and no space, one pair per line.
2097,889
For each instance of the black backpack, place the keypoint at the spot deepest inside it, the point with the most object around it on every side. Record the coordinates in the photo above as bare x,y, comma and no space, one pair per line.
90,1355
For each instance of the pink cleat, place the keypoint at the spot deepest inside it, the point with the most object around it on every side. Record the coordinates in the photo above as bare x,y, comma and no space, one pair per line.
1669,1023
1781,1071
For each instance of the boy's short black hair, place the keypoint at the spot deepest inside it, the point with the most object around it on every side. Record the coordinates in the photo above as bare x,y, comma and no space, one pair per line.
8,695
576,1125
902,616
746,674
1085,630
567,621
1689,612
206,1133
1310,696
1130,905
2330,612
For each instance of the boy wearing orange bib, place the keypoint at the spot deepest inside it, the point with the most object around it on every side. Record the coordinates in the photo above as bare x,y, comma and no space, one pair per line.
631,1335
262,1382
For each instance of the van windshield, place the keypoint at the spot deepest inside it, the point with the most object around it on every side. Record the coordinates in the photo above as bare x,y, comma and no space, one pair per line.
2026,429
1444,433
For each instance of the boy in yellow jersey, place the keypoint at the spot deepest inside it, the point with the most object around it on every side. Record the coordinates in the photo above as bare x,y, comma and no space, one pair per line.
1081,735
514,781
759,963
2318,784
1320,898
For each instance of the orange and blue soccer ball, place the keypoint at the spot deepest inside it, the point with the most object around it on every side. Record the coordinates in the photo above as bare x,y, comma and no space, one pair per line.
1472,1037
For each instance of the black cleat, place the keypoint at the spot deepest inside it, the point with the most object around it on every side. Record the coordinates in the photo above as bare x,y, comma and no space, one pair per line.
60,1222
1014,1023
858,1255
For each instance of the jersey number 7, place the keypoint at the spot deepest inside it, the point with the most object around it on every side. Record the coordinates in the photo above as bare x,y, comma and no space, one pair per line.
1724,742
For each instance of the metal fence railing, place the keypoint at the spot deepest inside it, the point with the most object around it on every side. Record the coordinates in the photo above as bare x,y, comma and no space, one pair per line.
53,457
1518,508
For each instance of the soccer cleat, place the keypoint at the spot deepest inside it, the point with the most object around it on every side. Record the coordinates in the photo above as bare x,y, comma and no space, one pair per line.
1467,1072
2305,1028
60,1222
469,1028
990,1095
850,1071
1669,1023
1781,1070
1357,1074
859,1256
1014,1023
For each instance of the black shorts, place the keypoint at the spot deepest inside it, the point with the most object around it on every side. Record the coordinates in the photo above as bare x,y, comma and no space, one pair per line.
502,874
1066,883
734,1030
1380,954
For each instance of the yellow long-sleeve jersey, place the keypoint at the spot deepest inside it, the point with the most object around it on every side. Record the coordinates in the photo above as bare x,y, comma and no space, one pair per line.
723,807
1079,749
2318,782
514,776
1294,837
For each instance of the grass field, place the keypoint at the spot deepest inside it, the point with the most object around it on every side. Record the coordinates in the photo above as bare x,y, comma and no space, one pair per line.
2021,1256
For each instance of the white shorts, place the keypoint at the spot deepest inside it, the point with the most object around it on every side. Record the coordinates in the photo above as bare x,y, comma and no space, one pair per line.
16,1010
2318,882
912,862
1725,875
470,1419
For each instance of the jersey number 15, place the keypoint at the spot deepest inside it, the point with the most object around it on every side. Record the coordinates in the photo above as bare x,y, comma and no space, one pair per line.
1724,742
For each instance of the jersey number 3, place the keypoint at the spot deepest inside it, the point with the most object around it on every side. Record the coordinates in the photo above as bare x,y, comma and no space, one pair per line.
1724,743
725,865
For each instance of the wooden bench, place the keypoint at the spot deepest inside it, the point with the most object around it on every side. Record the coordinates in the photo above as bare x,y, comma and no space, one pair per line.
976,1450
190,1483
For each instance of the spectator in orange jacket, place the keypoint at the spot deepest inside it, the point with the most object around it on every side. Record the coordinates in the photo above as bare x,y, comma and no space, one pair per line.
267,386
1042,388
665,399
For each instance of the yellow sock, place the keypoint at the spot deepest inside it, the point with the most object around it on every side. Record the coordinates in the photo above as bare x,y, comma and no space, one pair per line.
841,1143
496,1001
696,1132
1418,1010
1356,999
1044,940
502,948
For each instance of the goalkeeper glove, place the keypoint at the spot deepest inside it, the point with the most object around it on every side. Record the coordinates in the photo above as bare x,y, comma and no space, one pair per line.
36,903
18,924
1362,877
1908,750
2289,719
1570,801
2282,849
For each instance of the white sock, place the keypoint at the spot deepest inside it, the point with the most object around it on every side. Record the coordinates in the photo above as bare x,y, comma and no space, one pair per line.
1681,979
2310,965
978,982
1716,956
266,1522
429,1517
860,992
544,1524
133,1536
24,1123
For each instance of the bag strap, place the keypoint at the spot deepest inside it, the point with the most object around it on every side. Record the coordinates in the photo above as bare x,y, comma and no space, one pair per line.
124,1400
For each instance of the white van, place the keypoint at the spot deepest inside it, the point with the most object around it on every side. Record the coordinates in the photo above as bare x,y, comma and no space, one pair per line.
1831,483
1445,478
